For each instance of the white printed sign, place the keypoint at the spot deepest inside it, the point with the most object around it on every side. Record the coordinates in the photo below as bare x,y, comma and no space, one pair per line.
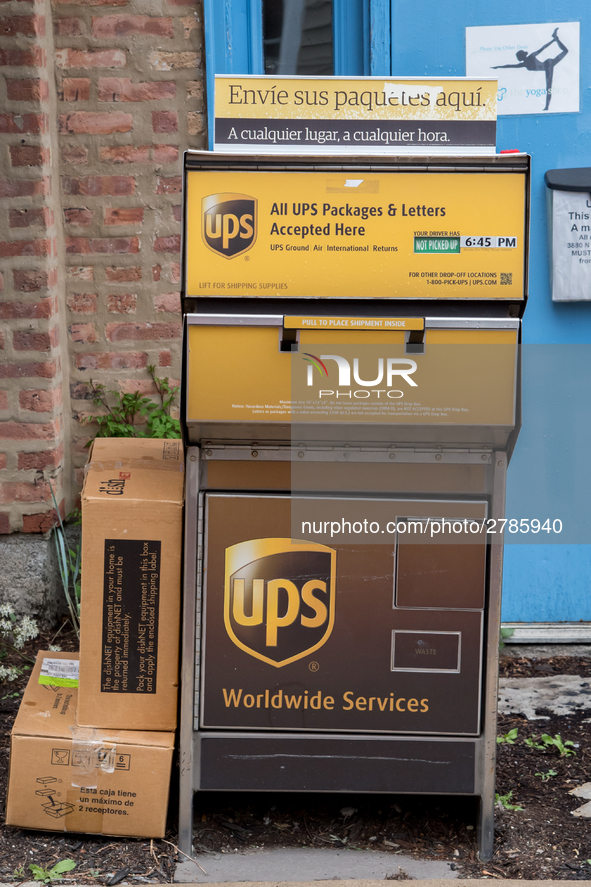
571,246
537,65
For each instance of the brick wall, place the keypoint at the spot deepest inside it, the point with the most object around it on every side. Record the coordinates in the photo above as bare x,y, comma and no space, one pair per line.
101,98
32,430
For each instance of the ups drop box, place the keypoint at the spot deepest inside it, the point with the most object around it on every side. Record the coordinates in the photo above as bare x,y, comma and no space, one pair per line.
78,779
350,414
132,509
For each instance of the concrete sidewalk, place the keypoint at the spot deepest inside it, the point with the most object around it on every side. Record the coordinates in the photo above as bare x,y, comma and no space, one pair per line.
345,882
560,694
312,864
364,882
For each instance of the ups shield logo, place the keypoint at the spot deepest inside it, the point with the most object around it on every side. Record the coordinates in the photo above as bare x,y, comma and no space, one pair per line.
229,223
279,598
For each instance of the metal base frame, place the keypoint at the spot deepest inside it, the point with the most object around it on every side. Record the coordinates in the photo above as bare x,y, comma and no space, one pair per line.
191,739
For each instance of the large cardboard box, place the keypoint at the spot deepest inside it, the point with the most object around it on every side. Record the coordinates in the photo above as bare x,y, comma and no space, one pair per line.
75,779
132,520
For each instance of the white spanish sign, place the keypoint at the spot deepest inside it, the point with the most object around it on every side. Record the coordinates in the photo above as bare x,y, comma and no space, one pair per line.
352,115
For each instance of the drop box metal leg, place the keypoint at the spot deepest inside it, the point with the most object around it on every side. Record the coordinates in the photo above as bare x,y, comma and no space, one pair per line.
188,654
486,829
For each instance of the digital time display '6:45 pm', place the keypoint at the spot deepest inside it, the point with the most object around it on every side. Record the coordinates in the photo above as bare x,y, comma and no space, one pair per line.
494,242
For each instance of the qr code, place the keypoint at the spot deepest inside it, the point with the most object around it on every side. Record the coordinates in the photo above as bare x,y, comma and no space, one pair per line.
506,279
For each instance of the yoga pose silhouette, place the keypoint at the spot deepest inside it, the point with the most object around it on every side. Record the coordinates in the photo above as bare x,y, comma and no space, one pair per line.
532,64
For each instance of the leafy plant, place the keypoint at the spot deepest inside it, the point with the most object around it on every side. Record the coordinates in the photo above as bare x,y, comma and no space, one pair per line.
506,633
505,801
122,417
547,743
547,775
53,874
14,633
508,738
68,560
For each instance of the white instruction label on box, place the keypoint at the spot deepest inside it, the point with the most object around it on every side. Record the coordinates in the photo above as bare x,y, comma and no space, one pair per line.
60,672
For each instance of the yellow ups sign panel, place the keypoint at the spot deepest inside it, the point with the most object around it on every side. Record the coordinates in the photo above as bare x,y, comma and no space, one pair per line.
415,235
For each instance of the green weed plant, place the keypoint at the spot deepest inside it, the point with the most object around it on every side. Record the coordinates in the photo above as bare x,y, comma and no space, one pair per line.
125,413
547,743
68,560
505,801
508,738
55,873
547,775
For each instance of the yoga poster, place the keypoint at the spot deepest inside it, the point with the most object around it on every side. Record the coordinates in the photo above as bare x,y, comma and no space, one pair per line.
537,65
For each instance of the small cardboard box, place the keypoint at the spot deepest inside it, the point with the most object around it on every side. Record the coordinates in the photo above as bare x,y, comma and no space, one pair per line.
76,779
132,522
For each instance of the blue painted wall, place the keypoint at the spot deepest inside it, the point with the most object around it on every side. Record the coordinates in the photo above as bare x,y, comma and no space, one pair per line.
541,582
427,38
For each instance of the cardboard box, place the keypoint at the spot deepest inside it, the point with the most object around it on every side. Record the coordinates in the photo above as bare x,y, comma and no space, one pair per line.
76,779
132,523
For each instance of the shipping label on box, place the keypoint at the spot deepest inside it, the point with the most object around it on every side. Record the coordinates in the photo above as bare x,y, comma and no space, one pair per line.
131,599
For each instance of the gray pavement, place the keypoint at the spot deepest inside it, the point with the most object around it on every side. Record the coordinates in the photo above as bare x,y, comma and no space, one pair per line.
583,791
298,864
349,882
559,694
365,882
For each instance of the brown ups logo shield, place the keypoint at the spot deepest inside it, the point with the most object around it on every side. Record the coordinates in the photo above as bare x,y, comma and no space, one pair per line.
229,223
279,598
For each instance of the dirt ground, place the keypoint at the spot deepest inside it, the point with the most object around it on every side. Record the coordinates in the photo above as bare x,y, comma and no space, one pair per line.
536,837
